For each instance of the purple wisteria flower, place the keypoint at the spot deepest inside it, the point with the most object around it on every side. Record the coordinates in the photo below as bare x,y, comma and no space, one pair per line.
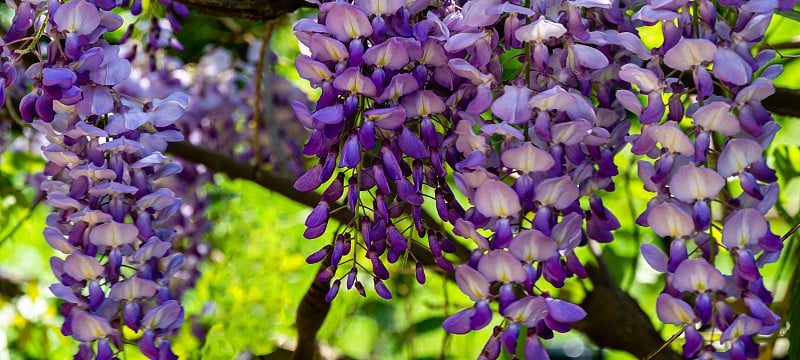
105,153
702,151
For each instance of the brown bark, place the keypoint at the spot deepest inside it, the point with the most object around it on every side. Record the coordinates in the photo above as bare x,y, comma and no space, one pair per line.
246,9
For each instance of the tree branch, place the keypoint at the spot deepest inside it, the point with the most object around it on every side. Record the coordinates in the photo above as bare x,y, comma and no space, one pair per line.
246,9
784,102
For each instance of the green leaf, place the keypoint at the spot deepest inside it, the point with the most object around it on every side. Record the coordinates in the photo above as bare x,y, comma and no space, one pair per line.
429,324
790,14
794,311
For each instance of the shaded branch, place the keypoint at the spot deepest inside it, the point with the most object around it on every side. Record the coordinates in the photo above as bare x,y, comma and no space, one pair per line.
615,320
784,102
246,9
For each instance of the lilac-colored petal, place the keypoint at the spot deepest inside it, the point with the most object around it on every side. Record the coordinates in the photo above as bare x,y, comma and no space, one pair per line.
57,240
508,338
746,266
532,245
422,103
564,311
731,68
312,70
346,22
324,48
467,141
476,13
645,79
65,293
398,87
667,219
567,233
92,172
62,201
499,265
744,228
114,69
534,349
506,7
742,326
82,267
528,311
411,145
557,192
692,183
303,114
58,77
309,180
168,315
463,40
587,57
540,30
633,43
77,16
330,115
380,7
694,341
458,323
87,327
113,189
760,89
527,158
555,98
737,155
390,54
467,229
493,198
472,283
672,138
716,116
629,101
482,100
381,289
388,119
512,106
133,288
433,54
353,81
468,71
113,234
570,133
97,100
688,53
654,257
697,275
674,311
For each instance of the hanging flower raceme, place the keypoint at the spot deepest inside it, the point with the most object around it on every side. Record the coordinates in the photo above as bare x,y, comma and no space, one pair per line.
705,152
411,100
378,127
414,91
105,152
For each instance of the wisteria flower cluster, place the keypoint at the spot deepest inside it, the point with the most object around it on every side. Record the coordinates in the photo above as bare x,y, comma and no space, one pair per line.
701,167
221,91
526,104
105,152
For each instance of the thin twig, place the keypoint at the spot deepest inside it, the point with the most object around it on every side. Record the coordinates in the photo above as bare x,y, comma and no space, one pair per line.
664,346
257,103
22,221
